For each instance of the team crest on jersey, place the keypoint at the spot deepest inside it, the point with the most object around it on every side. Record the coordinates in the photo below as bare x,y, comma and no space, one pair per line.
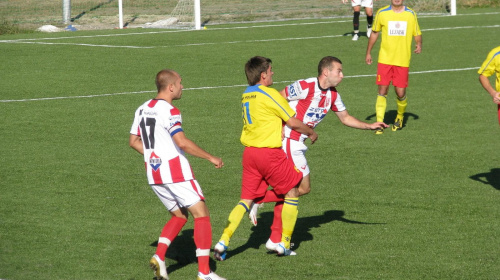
154,161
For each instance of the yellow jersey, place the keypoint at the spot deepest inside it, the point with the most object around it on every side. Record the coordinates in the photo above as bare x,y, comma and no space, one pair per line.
263,110
398,30
492,65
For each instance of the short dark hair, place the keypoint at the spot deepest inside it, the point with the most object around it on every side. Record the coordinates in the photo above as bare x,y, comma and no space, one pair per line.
164,78
254,67
326,62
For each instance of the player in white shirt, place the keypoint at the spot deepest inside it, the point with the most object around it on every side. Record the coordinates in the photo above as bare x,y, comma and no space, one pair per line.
157,134
311,99
356,6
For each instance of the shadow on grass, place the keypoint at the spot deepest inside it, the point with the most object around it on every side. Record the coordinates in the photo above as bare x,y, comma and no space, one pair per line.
350,34
91,9
390,116
261,233
183,251
489,178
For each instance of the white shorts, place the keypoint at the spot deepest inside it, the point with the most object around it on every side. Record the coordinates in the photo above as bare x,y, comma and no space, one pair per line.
179,195
297,150
362,3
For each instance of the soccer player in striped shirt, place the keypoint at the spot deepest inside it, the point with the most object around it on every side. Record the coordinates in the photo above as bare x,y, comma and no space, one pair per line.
157,134
311,99
398,25
490,66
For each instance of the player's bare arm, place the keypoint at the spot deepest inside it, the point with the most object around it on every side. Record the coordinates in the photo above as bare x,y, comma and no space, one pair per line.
283,93
418,44
348,120
191,148
135,143
299,126
485,82
371,42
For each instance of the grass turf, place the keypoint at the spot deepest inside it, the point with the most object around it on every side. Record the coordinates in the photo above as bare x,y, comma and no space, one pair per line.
421,203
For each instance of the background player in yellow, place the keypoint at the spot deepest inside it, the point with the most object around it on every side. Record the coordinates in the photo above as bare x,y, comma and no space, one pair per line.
398,25
490,66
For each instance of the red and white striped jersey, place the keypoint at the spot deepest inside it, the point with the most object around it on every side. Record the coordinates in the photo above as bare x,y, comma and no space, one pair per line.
311,103
156,121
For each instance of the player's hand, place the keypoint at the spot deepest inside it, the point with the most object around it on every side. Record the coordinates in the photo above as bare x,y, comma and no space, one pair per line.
496,98
418,49
345,1
368,59
217,162
377,125
313,137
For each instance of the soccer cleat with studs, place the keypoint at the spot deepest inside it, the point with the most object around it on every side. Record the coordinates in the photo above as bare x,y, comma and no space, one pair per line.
159,268
209,276
398,124
271,246
355,37
282,251
220,251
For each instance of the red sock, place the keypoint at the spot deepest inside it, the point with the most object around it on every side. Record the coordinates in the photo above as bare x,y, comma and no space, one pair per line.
203,241
168,234
277,226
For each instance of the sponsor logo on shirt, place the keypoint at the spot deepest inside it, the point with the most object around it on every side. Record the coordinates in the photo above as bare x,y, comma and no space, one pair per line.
292,92
150,113
397,28
175,119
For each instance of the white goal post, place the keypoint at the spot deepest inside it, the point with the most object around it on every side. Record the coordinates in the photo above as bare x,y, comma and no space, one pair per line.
187,13
190,8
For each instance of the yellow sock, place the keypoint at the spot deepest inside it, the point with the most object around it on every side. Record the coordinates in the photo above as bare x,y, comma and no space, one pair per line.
289,218
234,221
380,107
402,103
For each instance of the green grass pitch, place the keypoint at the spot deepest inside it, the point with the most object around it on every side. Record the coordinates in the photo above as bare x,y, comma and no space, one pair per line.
420,203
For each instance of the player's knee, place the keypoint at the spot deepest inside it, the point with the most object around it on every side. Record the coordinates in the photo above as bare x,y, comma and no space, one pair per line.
304,190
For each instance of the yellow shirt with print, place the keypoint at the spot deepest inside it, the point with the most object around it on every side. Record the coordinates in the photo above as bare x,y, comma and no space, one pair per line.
263,110
492,65
398,30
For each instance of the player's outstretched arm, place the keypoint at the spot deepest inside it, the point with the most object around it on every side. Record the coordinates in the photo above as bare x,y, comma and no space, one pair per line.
351,121
191,148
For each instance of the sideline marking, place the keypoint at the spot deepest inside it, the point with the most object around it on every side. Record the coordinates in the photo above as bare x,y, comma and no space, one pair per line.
34,41
214,87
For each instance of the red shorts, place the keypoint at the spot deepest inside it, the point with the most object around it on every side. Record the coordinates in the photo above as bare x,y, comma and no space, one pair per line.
498,113
397,74
263,167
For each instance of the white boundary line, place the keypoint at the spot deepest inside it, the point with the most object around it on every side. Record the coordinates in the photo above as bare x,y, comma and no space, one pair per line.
34,41
214,87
